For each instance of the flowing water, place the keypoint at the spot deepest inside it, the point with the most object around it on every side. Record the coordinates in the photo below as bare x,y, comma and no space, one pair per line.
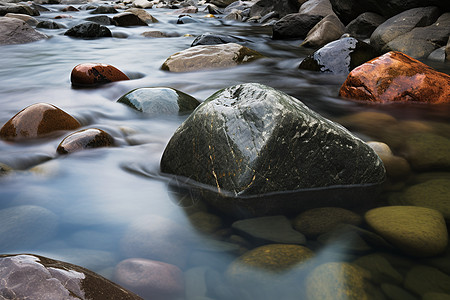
95,194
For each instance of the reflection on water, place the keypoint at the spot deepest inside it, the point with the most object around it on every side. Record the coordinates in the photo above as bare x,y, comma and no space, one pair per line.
89,206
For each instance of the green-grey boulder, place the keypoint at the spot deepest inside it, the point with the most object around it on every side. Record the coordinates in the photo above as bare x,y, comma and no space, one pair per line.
428,151
424,279
29,276
250,140
159,101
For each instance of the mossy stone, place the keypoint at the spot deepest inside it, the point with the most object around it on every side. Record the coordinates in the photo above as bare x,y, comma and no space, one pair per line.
417,231
427,151
433,194
337,281
424,279
380,268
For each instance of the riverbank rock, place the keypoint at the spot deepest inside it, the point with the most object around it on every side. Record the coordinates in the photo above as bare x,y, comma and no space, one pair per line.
233,140
143,15
26,18
416,231
150,279
89,30
327,30
337,281
364,25
17,8
396,77
29,276
127,19
274,229
36,121
214,39
339,57
159,101
294,26
317,8
25,226
104,9
317,221
16,31
92,74
85,139
210,57
431,193
280,7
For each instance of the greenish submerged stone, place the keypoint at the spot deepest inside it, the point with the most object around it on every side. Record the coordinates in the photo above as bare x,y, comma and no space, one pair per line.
159,101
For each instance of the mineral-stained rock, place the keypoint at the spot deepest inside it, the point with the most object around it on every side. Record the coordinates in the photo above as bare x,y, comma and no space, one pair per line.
210,57
159,101
29,276
339,57
85,139
89,74
15,31
396,77
37,120
250,140
150,279
89,30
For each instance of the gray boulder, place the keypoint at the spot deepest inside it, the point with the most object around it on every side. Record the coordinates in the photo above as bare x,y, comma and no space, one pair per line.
214,39
403,23
317,8
27,276
364,25
281,7
327,30
16,31
6,7
89,30
294,26
250,141
421,41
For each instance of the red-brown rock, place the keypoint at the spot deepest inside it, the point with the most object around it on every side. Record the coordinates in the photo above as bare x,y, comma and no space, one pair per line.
37,120
89,74
85,139
396,77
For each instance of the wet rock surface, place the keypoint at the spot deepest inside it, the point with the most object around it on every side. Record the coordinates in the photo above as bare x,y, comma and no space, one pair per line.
85,139
396,77
92,74
159,101
240,120
294,26
32,276
89,30
210,57
36,121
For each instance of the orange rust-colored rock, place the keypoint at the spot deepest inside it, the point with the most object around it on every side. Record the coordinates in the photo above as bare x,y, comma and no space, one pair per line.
396,77
37,120
89,74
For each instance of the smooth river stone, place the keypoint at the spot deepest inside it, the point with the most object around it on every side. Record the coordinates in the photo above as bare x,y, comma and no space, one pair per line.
150,279
433,194
427,151
28,276
37,120
417,231
317,221
257,265
88,30
396,77
423,279
159,101
210,57
90,74
126,19
15,31
275,229
85,139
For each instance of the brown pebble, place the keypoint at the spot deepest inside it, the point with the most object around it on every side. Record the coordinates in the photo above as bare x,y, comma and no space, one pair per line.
90,74
36,121
84,139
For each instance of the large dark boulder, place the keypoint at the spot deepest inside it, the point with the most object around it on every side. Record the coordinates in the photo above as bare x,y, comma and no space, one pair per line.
281,7
339,57
294,26
248,142
89,30
29,276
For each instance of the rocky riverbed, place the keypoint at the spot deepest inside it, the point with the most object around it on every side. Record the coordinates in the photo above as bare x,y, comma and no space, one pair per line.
224,149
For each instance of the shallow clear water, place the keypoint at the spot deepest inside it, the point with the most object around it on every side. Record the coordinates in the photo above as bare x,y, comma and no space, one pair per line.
93,194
